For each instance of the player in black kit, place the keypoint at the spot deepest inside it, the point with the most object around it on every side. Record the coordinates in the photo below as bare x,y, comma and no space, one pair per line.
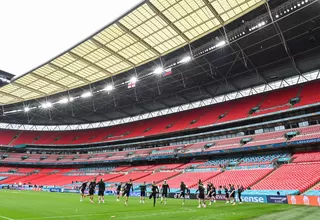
102,188
183,190
165,190
82,189
92,187
214,193
143,189
232,191
201,195
240,190
226,191
127,187
154,192
211,193
118,191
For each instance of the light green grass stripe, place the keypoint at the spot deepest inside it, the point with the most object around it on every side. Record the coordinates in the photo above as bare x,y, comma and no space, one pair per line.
296,213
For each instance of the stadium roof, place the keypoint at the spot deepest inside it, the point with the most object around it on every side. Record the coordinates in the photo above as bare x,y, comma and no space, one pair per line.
149,31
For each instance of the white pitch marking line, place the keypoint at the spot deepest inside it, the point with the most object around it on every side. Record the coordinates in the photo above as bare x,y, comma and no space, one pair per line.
7,218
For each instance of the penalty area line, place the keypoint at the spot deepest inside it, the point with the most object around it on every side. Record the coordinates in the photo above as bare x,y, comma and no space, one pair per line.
4,217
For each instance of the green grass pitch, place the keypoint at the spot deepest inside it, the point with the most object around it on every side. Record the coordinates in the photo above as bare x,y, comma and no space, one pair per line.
27,205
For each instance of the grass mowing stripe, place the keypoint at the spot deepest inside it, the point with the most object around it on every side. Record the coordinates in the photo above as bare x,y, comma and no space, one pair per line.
4,217
105,214
296,213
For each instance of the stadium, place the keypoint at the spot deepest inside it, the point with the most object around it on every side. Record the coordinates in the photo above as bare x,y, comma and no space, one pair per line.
209,107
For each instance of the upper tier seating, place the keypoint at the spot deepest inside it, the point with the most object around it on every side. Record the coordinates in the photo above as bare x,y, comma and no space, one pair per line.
219,113
218,144
293,176
7,136
277,100
310,94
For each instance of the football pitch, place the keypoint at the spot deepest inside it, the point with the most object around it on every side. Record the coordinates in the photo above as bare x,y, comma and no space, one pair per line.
28,205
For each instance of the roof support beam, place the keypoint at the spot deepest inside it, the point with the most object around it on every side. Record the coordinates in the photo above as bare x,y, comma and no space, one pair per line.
214,12
29,88
125,29
48,80
111,51
282,38
76,56
54,66
163,17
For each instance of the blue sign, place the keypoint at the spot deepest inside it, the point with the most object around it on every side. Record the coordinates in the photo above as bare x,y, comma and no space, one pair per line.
277,199
56,190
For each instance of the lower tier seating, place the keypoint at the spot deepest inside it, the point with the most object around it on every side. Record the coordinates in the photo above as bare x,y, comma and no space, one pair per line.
135,176
306,157
191,178
293,176
245,178
157,177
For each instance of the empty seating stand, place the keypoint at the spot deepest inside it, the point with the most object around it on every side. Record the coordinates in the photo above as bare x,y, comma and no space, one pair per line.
270,102
158,177
135,176
295,176
306,157
245,178
191,178
277,100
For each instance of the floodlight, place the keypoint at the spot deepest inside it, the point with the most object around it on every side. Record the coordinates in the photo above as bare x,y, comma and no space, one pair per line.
46,105
158,70
63,101
221,43
26,109
86,94
133,79
109,88
185,59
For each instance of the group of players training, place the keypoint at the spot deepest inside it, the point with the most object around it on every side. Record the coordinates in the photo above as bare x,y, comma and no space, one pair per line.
210,192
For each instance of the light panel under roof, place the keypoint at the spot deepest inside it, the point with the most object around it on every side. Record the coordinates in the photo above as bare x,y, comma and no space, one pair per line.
151,30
